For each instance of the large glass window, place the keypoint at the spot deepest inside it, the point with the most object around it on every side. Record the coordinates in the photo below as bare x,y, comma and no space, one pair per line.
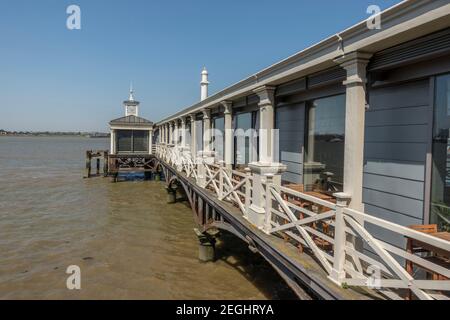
199,135
140,141
219,137
245,138
440,190
325,138
132,141
124,140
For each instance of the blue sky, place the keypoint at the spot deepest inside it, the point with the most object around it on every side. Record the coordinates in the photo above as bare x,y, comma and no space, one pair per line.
52,78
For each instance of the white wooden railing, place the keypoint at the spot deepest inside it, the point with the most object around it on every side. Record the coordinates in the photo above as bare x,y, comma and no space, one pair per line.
341,239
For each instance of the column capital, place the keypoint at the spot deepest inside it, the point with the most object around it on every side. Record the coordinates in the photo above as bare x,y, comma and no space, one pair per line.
206,113
192,116
355,63
227,105
183,119
266,95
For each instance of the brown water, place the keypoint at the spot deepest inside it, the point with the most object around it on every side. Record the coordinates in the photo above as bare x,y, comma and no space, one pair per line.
127,241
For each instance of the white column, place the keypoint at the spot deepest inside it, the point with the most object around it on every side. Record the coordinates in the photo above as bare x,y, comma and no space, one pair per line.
183,132
228,144
175,133
193,137
171,139
265,166
355,64
266,108
112,142
206,130
167,133
159,135
164,130
150,141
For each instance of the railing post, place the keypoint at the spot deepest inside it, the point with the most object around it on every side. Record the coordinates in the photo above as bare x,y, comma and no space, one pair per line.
268,216
248,191
338,272
221,173
201,171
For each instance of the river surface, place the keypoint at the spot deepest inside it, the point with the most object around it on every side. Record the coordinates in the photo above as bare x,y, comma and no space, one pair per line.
128,243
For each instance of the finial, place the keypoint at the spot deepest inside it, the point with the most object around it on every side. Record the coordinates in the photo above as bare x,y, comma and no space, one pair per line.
131,98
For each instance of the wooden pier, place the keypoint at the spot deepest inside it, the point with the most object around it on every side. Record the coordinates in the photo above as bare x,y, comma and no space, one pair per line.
115,164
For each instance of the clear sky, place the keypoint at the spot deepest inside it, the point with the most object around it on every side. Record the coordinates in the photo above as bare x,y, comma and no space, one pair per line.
52,78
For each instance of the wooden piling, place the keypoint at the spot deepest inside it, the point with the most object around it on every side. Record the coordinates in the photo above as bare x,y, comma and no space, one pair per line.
88,164
98,166
105,163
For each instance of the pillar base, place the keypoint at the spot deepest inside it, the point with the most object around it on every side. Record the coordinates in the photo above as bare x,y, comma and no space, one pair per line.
262,168
257,210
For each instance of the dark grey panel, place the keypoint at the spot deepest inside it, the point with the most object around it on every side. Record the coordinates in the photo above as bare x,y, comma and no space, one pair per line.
292,177
396,140
394,185
399,96
402,116
407,133
414,152
392,216
405,170
403,205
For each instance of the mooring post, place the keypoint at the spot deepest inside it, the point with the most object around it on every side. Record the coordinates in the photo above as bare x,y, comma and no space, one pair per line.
206,247
98,166
171,195
105,163
88,164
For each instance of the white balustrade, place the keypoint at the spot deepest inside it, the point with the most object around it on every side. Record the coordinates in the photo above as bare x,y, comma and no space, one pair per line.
328,231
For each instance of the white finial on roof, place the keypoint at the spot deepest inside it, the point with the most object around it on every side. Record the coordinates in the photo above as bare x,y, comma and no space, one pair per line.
204,84
131,98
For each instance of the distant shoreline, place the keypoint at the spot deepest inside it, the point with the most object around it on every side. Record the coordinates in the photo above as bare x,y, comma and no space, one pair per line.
55,134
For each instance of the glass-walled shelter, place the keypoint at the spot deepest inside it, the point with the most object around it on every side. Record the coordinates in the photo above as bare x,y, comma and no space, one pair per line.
131,135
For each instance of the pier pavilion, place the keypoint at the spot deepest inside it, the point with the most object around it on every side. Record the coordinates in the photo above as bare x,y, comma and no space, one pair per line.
131,134
131,141
349,165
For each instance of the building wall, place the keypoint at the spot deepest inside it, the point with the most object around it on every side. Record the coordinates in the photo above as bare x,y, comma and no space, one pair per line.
396,139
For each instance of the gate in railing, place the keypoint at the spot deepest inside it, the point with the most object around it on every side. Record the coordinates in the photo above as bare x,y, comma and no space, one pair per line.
339,238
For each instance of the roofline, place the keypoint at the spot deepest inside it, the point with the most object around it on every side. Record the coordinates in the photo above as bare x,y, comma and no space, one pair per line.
403,22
